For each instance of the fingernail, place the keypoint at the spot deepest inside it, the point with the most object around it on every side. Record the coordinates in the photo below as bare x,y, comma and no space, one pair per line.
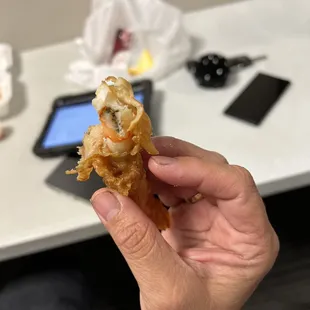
164,161
106,205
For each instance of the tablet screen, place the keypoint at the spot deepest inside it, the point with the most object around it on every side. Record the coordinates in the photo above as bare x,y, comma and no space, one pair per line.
70,122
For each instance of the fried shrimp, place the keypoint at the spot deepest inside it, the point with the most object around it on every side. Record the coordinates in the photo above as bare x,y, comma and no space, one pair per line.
113,147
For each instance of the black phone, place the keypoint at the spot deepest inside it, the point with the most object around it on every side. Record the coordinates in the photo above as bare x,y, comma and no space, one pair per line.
257,99
71,115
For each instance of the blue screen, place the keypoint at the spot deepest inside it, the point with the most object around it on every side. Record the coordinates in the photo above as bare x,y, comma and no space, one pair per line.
70,123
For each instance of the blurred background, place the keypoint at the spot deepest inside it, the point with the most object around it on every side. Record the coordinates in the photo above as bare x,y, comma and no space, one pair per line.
49,236
30,15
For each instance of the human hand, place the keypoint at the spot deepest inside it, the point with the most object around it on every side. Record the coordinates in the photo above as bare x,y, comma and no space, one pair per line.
217,250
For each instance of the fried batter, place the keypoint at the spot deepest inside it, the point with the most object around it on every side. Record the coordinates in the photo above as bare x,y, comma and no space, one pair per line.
113,147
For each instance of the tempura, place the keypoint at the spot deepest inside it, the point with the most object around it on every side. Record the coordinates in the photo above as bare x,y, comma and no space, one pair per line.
113,147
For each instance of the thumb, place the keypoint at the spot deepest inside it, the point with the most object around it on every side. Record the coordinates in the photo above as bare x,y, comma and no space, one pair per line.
143,247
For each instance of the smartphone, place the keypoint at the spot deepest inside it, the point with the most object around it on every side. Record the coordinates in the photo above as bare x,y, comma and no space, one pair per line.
257,99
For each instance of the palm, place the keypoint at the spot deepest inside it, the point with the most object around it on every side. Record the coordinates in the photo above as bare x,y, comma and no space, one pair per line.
214,249
200,231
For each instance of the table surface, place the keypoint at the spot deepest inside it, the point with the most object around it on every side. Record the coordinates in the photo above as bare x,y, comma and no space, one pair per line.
35,217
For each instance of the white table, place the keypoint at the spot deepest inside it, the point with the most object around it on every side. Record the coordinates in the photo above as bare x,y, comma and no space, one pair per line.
35,217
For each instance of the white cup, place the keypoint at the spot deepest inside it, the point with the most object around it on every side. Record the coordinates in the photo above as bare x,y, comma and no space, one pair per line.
5,93
6,57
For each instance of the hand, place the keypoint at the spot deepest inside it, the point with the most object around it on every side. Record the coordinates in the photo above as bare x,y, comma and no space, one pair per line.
217,250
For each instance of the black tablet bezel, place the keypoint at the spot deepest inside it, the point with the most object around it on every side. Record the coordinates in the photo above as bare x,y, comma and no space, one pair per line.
145,86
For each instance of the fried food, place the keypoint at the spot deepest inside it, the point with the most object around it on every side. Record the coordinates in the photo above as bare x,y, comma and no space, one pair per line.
113,147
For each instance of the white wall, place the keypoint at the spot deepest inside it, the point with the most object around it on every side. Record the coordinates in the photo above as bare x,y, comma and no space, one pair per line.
30,23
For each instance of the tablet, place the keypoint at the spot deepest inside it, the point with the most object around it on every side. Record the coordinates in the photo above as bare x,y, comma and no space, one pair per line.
70,118
68,184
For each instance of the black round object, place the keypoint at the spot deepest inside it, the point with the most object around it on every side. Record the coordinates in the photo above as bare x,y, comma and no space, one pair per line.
210,71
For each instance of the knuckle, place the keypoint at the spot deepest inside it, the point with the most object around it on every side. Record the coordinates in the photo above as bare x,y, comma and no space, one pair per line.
244,176
219,157
136,239
244,182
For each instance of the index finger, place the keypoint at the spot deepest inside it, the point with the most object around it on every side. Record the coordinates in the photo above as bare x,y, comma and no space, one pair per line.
233,187
173,147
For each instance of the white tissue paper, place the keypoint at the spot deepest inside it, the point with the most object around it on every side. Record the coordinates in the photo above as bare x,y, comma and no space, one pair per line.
6,62
134,39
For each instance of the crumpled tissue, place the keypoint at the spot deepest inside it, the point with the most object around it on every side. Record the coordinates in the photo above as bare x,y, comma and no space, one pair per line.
135,39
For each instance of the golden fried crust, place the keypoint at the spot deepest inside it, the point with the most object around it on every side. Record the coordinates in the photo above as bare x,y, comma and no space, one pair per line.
129,179
152,206
123,172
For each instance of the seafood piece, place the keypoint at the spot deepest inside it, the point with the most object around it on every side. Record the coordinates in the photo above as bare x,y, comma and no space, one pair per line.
113,147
